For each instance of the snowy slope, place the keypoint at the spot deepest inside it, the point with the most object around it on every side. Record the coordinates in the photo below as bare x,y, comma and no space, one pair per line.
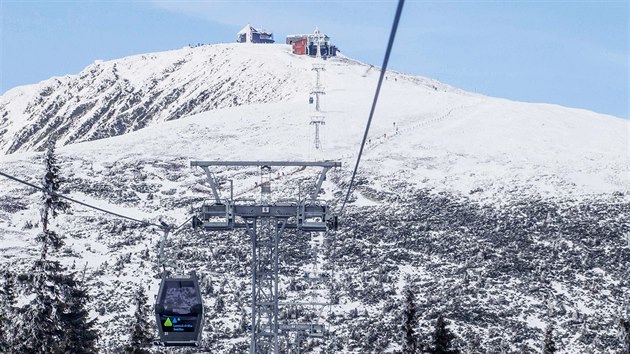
114,97
446,137
499,212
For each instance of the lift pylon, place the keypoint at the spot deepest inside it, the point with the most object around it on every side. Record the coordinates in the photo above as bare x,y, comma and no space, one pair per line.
317,121
265,223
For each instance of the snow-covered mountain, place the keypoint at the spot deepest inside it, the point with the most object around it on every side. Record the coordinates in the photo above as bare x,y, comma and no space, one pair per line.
504,215
119,96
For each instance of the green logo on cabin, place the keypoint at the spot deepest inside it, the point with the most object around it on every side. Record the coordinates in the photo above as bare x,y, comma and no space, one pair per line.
168,322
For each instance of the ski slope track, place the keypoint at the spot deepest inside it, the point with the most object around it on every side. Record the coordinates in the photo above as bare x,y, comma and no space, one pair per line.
505,216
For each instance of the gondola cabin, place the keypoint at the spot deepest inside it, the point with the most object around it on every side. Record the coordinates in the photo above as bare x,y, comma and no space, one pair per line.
179,311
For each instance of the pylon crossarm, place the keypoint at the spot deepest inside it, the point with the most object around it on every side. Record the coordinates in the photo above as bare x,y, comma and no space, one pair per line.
318,186
212,183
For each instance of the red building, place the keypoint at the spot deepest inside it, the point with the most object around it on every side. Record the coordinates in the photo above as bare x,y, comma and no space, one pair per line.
299,47
308,44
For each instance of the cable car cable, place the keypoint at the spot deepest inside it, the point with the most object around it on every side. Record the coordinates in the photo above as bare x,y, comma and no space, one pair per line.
182,224
144,223
392,35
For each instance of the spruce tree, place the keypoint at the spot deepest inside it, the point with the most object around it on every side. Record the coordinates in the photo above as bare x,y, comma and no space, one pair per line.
4,340
141,336
549,346
219,305
8,289
7,311
81,334
56,319
442,338
3,306
4,337
409,322
625,335
40,328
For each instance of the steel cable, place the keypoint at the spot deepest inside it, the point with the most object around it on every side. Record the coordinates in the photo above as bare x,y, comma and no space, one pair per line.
392,35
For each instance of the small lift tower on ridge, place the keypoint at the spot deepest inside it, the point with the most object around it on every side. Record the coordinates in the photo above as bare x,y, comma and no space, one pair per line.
318,119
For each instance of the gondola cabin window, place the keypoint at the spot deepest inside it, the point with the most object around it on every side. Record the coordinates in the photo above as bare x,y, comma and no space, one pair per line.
180,297
179,311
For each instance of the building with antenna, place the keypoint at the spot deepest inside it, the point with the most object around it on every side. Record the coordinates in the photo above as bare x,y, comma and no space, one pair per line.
250,34
308,44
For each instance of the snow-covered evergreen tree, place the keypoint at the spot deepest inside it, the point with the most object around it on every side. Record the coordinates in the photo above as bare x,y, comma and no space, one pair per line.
219,305
40,328
549,346
8,290
624,323
141,337
409,322
53,204
81,334
7,311
4,340
442,338
56,319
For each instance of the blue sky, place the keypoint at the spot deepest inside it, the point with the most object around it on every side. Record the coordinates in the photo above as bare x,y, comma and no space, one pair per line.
573,53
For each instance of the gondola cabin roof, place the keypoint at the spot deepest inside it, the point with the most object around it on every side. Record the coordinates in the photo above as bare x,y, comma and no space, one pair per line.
179,311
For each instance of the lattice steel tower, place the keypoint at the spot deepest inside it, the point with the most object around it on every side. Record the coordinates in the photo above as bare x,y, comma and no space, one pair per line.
317,121
265,222
318,118
318,89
